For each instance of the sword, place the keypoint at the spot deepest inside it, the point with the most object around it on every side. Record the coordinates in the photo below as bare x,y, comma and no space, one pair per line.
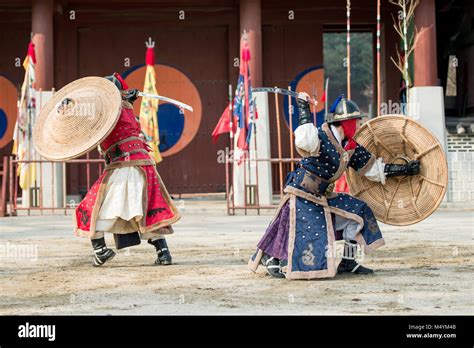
326,90
169,100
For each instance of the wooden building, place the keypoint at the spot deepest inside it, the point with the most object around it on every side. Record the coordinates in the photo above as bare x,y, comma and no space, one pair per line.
200,40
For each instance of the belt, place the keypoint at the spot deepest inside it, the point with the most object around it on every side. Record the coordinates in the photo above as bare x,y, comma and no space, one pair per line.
314,183
124,148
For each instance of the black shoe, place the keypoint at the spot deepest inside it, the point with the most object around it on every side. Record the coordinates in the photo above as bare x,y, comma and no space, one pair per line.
272,265
102,253
164,256
348,263
351,266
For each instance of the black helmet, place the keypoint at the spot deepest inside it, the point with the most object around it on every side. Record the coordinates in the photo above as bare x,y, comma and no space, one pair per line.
343,109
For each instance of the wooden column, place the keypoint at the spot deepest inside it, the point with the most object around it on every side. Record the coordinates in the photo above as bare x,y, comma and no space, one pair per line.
425,55
42,28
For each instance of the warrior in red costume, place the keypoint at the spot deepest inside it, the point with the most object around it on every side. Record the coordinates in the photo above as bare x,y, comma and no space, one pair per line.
128,199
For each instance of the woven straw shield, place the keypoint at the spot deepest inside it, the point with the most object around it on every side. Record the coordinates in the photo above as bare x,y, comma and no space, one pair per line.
77,118
409,199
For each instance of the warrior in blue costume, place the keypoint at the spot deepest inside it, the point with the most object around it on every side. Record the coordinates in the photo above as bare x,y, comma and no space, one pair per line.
300,242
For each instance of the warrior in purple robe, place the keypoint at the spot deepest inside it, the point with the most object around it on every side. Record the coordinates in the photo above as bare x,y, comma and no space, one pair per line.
300,242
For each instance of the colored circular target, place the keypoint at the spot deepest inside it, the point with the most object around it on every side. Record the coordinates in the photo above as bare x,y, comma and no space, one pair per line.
171,123
305,81
8,110
177,127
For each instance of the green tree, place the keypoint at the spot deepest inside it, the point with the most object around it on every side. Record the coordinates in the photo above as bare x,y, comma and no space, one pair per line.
362,79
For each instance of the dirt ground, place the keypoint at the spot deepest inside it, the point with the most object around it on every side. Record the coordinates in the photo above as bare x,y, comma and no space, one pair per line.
426,268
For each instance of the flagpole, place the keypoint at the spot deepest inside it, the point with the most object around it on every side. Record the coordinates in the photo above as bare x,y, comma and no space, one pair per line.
245,61
290,113
149,106
348,13
245,182
313,92
326,90
31,165
27,154
257,200
230,157
17,146
248,159
280,165
40,188
231,122
405,54
378,58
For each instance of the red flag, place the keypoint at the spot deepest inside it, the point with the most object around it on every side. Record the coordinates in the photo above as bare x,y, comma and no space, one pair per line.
242,141
223,126
31,52
323,98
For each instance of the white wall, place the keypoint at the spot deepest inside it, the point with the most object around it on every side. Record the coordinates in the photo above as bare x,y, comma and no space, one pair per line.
427,107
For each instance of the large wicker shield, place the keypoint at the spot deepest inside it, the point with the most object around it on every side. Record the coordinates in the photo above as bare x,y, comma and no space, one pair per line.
402,200
77,118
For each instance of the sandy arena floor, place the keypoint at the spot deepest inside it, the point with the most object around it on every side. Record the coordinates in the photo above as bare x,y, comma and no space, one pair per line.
424,269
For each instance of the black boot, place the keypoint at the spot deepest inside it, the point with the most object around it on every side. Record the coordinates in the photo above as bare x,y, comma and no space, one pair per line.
272,265
164,256
349,264
102,253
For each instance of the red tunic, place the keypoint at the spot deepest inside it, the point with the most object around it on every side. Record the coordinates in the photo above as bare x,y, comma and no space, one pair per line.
124,148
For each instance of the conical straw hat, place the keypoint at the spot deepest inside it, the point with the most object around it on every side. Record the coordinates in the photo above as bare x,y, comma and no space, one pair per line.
77,118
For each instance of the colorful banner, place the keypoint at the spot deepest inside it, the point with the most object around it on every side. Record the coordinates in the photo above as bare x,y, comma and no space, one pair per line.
244,105
22,136
149,108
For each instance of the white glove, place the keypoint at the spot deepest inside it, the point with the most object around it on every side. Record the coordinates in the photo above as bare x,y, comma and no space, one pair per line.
306,138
